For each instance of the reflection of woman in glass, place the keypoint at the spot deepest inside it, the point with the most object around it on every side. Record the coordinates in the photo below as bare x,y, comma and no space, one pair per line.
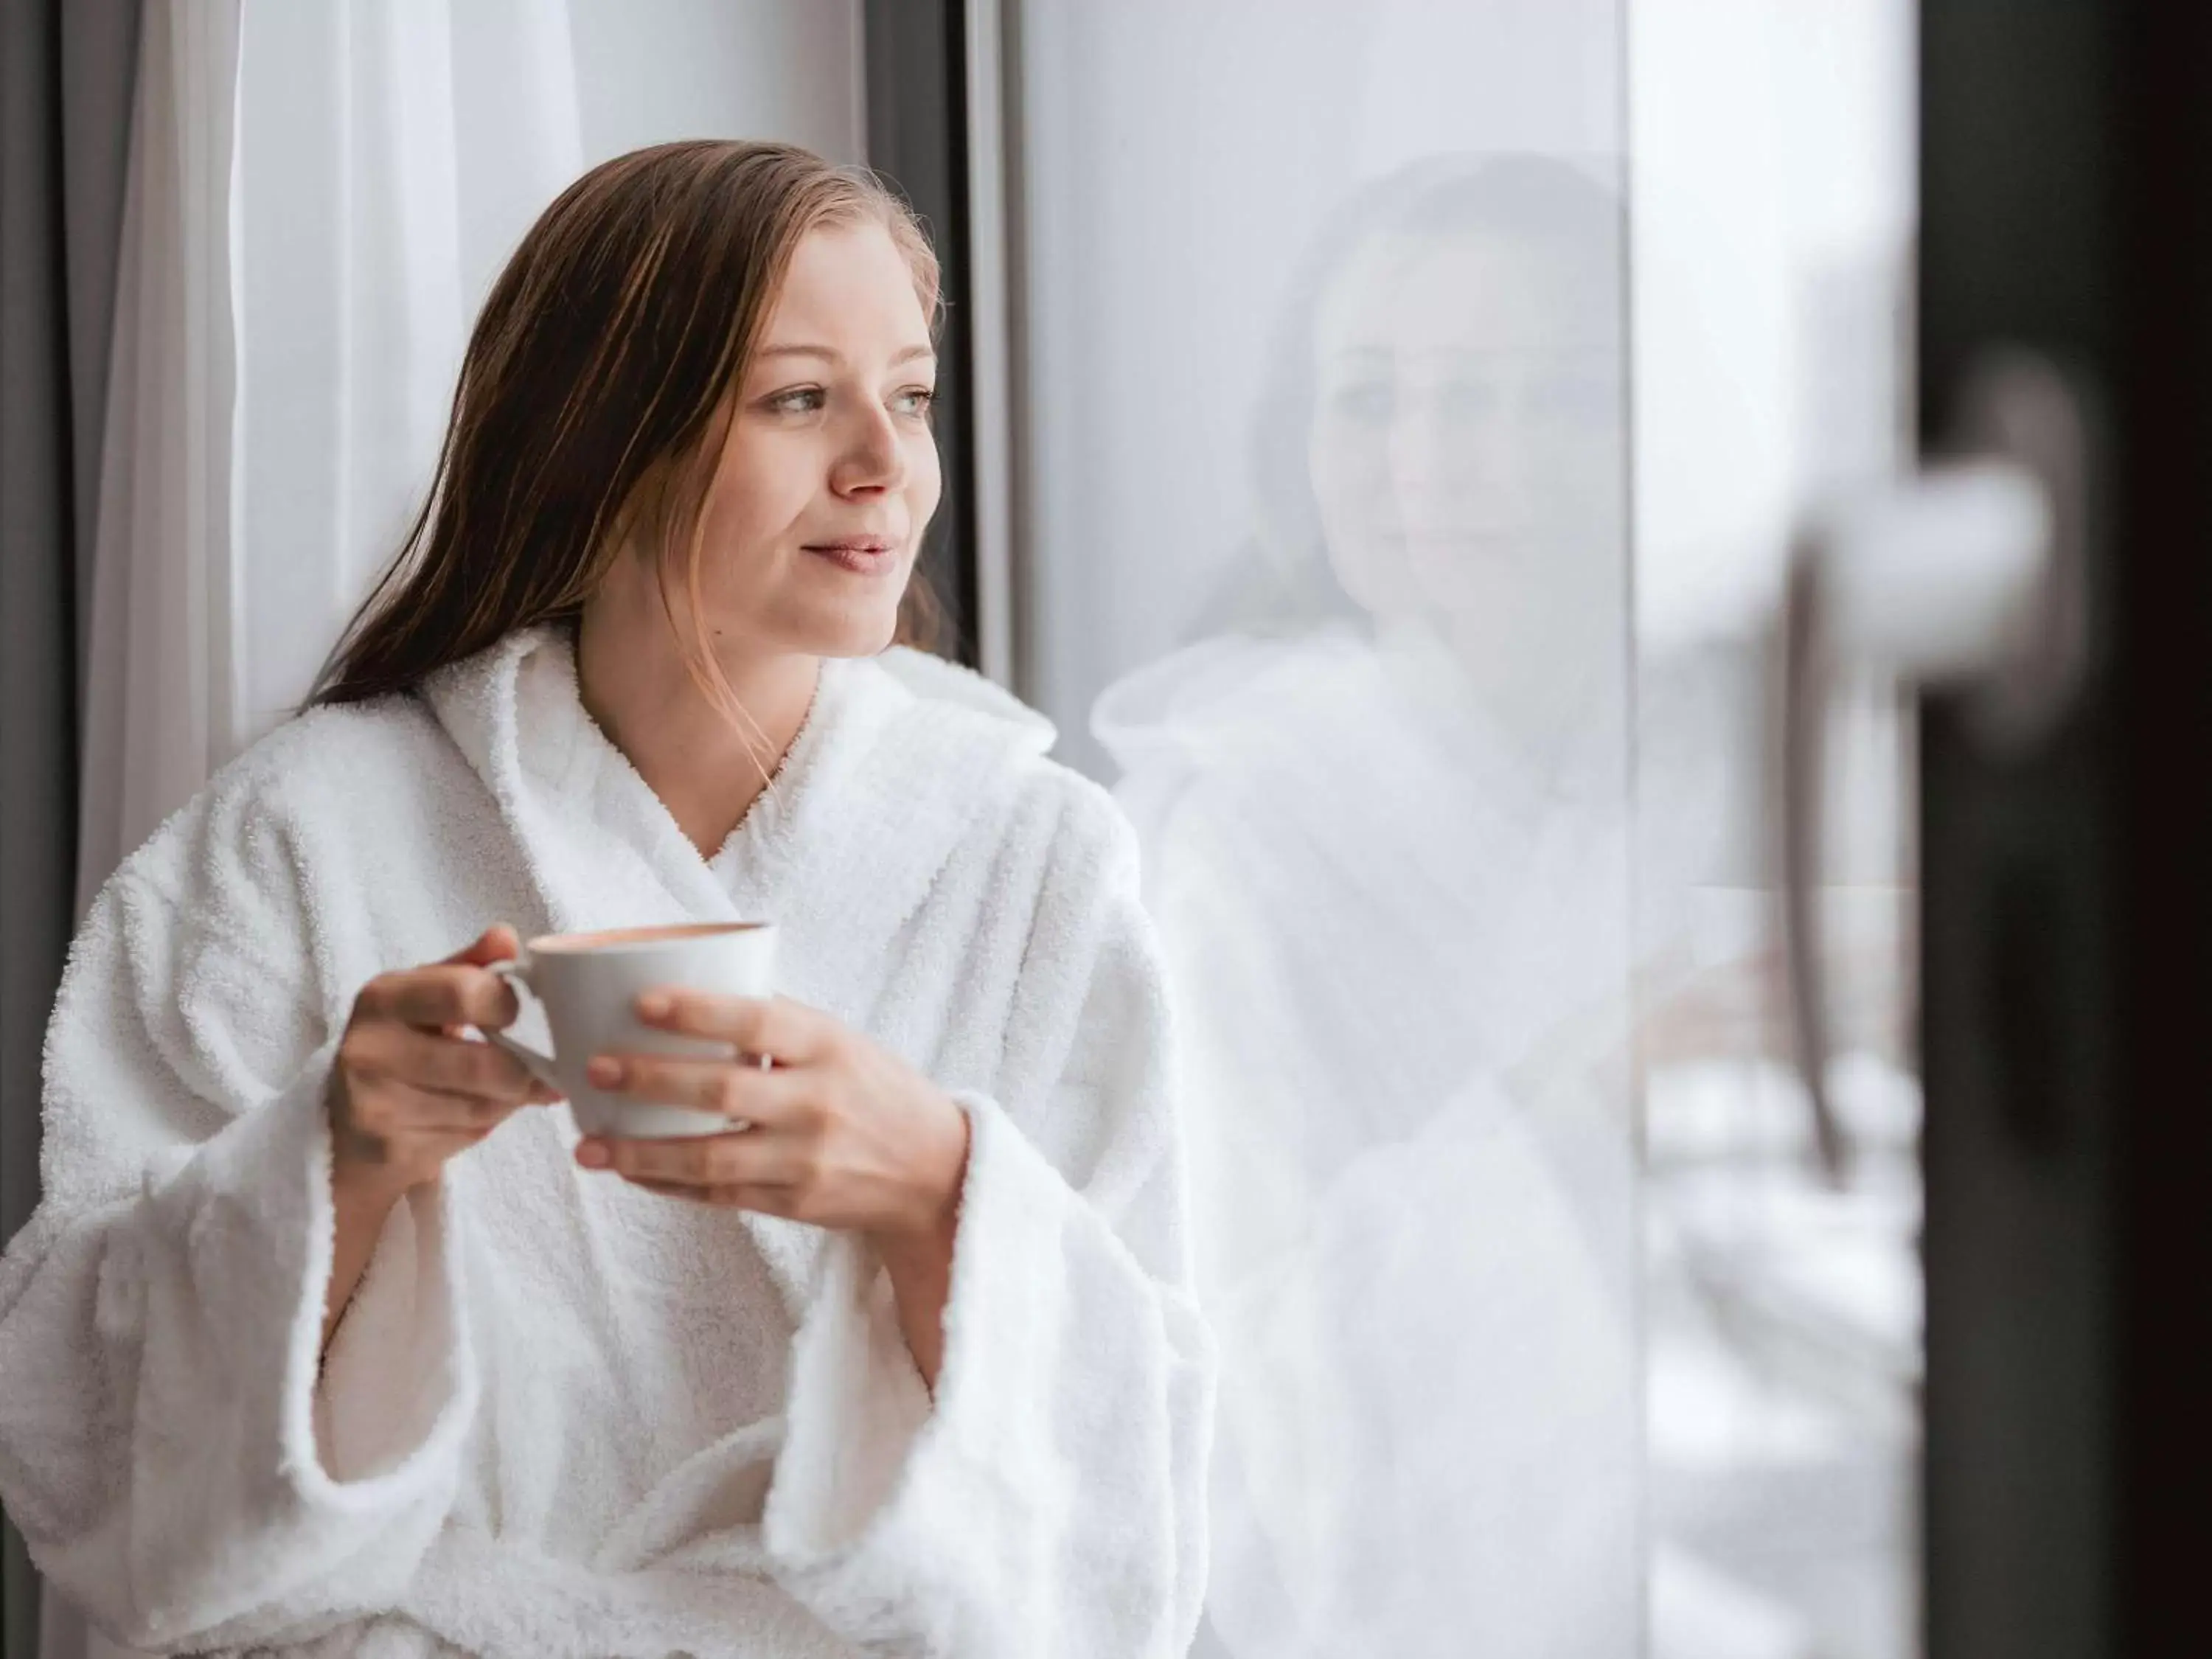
1384,810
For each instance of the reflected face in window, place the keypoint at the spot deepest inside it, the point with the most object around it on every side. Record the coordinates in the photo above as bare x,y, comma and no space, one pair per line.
1466,443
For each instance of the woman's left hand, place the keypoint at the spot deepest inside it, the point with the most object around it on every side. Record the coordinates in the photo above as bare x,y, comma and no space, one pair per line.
842,1133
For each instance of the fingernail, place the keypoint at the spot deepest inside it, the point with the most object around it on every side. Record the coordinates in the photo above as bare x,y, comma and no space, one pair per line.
593,1154
603,1072
653,1005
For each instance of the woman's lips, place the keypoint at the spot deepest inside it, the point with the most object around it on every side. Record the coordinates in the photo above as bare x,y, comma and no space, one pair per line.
865,555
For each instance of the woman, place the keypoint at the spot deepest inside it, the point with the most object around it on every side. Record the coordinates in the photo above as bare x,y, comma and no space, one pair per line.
1384,812
328,1338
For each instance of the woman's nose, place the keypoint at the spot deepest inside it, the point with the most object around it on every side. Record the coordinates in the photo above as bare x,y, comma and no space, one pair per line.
873,460
1433,462
1437,459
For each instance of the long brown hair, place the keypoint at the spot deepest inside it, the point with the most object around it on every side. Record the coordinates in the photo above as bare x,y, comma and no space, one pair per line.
590,391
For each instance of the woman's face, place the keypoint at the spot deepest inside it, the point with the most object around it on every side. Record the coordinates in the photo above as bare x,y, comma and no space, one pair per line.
828,472
1467,444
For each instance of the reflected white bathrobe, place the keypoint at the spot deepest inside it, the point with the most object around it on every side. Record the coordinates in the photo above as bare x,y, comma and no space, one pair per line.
1417,1246
564,1415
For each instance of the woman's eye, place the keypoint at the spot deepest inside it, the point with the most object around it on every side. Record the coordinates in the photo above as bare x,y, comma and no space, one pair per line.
914,400
1370,402
800,400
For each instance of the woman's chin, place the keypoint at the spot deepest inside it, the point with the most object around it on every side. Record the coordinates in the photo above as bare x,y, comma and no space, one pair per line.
843,632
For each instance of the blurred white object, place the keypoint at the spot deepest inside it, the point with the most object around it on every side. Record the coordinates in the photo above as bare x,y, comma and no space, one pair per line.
1698,1612
1935,579
1966,577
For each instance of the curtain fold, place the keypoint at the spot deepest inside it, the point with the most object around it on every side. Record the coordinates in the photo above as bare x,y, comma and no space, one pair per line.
159,539
159,624
66,75
391,152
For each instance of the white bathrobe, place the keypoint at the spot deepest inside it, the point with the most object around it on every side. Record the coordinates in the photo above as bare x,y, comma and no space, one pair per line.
565,1416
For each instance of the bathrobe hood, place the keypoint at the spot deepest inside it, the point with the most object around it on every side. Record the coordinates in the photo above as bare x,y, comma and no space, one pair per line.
899,758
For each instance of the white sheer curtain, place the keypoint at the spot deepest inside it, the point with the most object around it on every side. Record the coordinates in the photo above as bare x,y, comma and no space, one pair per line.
160,638
320,195
390,153
163,551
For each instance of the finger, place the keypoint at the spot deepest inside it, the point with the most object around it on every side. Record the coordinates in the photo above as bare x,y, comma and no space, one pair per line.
383,1054
443,1144
539,1093
691,1163
433,998
677,1190
450,1065
791,1032
735,1160
742,1093
391,1106
768,1201
498,943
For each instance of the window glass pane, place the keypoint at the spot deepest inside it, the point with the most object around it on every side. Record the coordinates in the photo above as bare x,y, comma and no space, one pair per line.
1419,396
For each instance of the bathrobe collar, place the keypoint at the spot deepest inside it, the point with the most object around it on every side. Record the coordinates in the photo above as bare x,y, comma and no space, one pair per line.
891,769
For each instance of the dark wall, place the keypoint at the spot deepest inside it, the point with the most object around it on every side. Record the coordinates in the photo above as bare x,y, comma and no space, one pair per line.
917,117
2065,146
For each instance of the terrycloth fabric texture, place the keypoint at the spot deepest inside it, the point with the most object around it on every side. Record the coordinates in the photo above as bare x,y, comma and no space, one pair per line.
564,1416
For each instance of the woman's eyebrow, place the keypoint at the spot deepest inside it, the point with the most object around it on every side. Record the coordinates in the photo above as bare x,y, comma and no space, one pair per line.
830,354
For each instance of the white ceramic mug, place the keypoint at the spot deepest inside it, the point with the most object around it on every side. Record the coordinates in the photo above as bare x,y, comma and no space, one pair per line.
589,985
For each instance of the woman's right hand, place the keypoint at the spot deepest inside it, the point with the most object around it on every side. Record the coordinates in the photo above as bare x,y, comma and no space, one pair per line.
407,1091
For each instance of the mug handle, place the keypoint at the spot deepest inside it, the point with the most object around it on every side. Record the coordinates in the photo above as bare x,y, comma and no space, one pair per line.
516,972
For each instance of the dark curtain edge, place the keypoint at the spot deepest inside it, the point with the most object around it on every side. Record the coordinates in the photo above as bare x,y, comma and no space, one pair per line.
68,70
914,72
37,634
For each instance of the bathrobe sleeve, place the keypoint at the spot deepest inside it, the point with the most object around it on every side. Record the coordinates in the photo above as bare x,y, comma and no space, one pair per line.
168,1449
1050,1498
